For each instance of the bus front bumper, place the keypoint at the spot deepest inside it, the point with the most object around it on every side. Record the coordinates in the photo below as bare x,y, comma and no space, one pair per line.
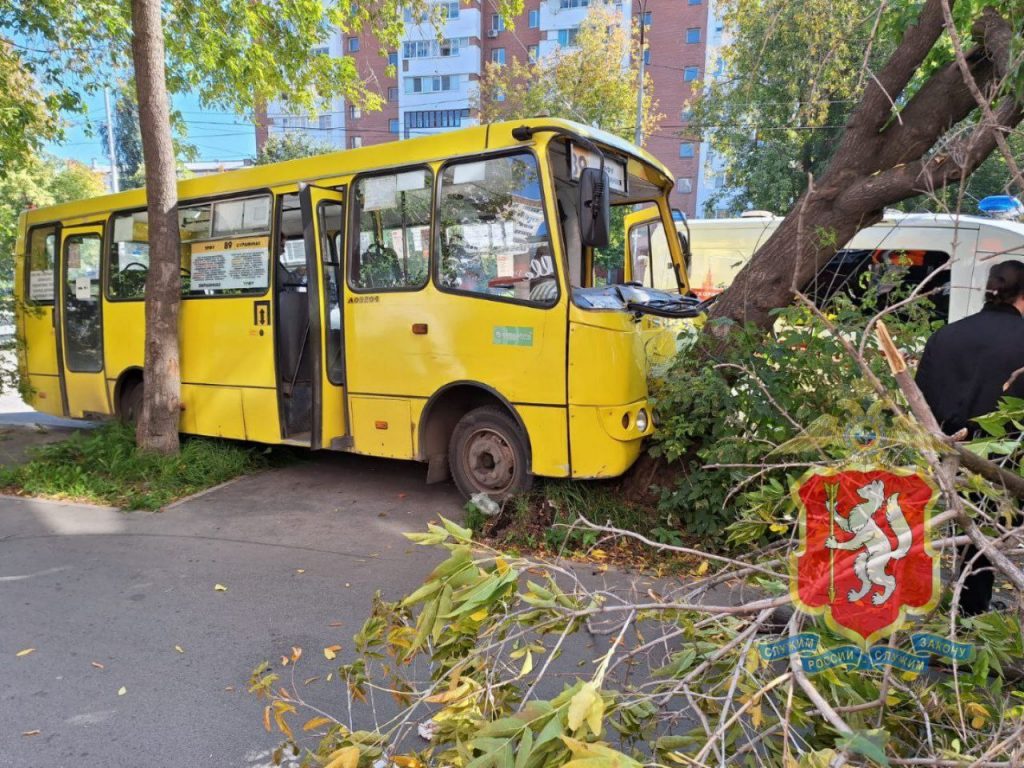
606,440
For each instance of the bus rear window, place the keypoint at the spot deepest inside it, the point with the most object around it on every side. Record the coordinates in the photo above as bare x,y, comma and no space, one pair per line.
225,249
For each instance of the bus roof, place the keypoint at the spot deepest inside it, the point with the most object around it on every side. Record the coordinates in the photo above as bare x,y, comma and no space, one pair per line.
422,149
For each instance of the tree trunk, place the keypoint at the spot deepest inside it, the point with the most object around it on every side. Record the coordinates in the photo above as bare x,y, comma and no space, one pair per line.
158,423
882,159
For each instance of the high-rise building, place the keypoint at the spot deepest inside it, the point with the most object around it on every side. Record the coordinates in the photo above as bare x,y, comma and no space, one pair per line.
433,87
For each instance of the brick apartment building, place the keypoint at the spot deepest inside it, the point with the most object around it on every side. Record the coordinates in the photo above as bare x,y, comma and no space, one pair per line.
434,85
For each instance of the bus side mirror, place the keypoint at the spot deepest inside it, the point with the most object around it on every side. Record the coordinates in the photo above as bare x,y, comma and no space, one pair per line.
594,208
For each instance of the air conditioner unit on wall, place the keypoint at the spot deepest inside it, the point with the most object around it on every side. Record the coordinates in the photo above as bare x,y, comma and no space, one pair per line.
492,33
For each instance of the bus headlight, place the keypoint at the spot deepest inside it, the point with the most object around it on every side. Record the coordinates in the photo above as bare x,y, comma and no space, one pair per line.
641,420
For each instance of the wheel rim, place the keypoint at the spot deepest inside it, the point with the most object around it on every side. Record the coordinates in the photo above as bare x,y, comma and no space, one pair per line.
489,461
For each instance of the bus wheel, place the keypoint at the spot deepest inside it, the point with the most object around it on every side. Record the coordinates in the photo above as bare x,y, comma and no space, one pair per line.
487,454
131,405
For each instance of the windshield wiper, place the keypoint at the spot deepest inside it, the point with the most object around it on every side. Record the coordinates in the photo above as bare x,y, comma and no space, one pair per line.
676,307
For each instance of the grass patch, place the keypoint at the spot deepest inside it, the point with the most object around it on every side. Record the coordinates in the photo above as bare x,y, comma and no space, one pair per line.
103,466
544,522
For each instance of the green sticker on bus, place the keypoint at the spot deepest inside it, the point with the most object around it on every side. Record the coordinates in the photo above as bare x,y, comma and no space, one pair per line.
513,336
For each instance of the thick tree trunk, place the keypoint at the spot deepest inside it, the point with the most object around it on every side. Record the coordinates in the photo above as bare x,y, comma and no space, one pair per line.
158,422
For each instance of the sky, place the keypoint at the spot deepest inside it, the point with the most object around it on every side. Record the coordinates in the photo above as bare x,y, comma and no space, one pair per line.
215,134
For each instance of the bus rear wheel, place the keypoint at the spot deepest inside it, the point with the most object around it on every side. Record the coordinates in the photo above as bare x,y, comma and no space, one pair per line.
131,405
488,454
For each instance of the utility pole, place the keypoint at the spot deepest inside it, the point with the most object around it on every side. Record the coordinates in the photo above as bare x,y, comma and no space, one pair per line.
115,181
638,136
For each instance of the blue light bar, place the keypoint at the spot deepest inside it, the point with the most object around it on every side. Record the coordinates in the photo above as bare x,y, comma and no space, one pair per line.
996,205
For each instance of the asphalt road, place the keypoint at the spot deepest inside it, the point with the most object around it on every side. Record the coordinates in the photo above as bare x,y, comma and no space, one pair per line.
299,549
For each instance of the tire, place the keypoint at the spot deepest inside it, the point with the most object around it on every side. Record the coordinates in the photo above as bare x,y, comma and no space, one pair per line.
488,454
131,405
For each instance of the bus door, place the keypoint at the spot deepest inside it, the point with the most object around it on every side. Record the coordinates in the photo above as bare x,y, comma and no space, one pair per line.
323,233
81,320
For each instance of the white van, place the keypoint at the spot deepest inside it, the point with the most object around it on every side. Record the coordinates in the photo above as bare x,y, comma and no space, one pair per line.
920,242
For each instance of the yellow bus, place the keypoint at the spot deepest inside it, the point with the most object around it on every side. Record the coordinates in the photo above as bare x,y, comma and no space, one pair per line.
431,300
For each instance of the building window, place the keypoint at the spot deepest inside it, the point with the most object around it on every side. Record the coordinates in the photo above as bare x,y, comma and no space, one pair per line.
431,84
353,44
684,185
437,118
450,10
393,125
325,122
648,18
647,55
693,35
685,116
497,22
567,37
573,3
690,74
533,52
422,49
321,50
498,55
354,142
393,93
355,112
686,149
393,59
449,47
534,19
693,2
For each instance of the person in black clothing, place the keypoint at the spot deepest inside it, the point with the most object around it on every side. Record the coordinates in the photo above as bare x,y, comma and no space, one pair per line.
962,373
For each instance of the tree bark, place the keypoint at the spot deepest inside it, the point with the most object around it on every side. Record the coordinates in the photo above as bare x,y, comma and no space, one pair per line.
884,156
158,423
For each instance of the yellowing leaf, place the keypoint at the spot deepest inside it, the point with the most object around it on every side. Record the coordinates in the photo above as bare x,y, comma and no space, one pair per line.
454,694
179,649
479,615
346,757
586,706
309,680
97,665
266,718
25,652
752,662
406,762
777,528
316,722
296,653
220,588
702,568
527,665
284,661
756,716
598,554
122,691
675,757
31,733
331,651
978,722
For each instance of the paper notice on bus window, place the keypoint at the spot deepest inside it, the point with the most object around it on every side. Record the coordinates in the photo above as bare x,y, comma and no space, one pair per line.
380,192
228,216
256,214
83,288
469,172
411,180
40,285
236,264
124,229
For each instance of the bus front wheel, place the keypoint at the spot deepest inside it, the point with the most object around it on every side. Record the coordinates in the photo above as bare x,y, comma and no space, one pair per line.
488,454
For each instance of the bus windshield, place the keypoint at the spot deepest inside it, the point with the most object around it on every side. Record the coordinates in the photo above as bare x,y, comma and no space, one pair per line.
632,182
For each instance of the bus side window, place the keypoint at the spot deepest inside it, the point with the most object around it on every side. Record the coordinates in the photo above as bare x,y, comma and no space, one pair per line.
391,248
640,250
129,256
